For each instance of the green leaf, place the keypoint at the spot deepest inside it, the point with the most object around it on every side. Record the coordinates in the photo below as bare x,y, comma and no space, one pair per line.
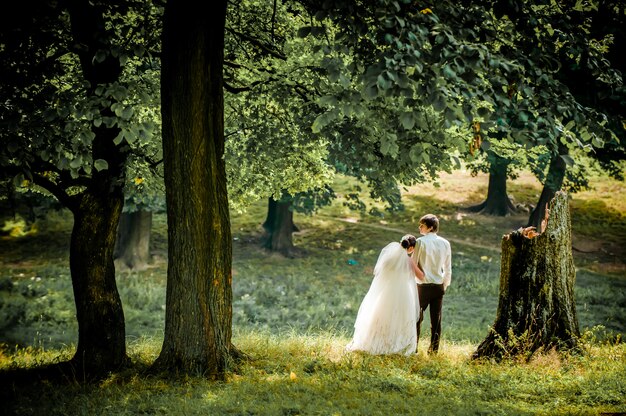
87,137
344,81
119,92
327,100
322,121
415,154
568,160
407,120
448,72
132,134
118,139
18,180
333,74
382,82
371,92
127,113
100,164
347,109
76,162
523,116
439,104
403,80
597,141
457,162
100,56
389,145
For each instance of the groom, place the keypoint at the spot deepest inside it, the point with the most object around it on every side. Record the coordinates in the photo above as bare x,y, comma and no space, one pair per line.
433,255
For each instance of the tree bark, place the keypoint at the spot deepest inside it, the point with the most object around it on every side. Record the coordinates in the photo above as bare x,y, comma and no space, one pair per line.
132,249
498,202
536,307
554,181
198,316
279,227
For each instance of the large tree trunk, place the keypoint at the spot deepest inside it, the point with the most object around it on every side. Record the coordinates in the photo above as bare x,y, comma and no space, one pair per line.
132,249
498,202
101,330
199,288
279,227
554,181
536,307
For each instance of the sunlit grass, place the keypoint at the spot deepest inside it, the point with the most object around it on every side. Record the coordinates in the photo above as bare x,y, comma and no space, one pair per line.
295,373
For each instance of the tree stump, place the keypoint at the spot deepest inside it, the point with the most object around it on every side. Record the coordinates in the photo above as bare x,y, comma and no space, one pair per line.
536,307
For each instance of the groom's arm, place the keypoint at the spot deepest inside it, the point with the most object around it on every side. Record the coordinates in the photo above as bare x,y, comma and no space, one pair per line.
447,268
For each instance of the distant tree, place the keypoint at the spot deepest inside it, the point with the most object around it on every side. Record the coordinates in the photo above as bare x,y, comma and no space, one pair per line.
593,72
566,84
499,168
144,194
270,83
132,248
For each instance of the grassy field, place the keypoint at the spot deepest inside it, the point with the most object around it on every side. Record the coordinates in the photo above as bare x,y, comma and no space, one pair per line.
294,317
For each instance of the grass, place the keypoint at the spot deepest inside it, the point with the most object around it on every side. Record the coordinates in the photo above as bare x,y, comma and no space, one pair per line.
295,316
296,373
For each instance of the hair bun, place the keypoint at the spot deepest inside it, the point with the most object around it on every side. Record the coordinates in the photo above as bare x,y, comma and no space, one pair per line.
408,240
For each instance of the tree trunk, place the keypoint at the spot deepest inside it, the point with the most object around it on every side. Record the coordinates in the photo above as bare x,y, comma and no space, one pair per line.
132,249
279,227
101,329
554,181
498,202
198,316
536,306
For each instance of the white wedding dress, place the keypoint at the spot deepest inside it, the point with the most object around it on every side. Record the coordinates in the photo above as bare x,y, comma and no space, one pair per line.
385,323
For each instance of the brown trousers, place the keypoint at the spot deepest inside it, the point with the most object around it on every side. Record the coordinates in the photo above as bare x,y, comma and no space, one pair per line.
431,295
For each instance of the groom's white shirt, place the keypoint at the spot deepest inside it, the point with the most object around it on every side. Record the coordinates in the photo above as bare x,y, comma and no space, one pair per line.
434,255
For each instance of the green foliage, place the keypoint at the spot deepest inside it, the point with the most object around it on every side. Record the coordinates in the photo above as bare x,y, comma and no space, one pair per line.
56,113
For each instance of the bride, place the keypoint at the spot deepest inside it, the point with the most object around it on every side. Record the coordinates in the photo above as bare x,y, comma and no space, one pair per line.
387,317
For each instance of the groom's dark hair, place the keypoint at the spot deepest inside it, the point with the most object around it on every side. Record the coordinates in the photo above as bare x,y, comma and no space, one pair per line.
430,221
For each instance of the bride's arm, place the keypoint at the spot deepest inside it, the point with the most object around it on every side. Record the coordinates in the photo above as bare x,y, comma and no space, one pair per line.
416,270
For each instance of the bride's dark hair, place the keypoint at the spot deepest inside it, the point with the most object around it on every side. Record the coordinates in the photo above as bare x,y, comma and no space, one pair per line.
408,241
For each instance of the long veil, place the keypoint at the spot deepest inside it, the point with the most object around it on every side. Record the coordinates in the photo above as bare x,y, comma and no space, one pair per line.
385,323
